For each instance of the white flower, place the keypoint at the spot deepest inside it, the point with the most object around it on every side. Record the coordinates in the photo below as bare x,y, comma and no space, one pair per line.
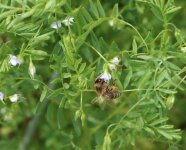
111,23
183,49
1,96
105,76
113,63
56,25
68,21
14,98
14,60
31,69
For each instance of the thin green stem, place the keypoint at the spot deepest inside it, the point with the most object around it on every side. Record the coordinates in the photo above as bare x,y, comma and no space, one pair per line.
126,23
97,52
33,124
134,106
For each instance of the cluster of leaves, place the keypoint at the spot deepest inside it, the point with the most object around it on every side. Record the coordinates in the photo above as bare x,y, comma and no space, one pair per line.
68,59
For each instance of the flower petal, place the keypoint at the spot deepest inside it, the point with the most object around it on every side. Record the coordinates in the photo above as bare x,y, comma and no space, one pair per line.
68,21
14,98
105,76
1,96
56,25
14,60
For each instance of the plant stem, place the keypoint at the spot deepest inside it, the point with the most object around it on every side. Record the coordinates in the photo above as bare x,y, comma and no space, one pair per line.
33,124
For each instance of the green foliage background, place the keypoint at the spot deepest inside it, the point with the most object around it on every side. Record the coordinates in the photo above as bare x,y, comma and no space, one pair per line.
54,110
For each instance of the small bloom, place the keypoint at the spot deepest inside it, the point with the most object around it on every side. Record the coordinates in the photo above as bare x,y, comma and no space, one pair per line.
183,49
14,98
31,69
111,23
105,76
14,60
1,96
56,25
113,63
68,21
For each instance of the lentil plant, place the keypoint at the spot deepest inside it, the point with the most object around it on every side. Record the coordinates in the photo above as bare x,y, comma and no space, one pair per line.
51,53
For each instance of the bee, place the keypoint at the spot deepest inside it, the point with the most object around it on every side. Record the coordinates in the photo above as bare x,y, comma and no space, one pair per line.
111,92
108,92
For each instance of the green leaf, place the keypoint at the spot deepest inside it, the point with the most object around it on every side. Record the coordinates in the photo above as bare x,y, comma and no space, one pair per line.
60,118
37,52
166,127
149,130
50,4
157,12
114,46
128,77
161,101
14,22
41,38
100,9
82,67
162,76
134,47
145,79
89,27
7,13
66,75
159,121
51,113
43,94
172,10
28,13
4,65
93,9
103,44
62,103
86,15
94,40
77,126
166,135
171,66
167,91
56,93
115,11
77,62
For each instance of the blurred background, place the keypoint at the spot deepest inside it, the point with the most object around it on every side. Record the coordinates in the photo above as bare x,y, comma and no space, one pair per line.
52,134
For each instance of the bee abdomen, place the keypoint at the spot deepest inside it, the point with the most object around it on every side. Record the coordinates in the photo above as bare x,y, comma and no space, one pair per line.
116,94
111,95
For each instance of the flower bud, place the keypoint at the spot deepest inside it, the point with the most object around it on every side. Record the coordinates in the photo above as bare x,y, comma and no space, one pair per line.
31,69
170,102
